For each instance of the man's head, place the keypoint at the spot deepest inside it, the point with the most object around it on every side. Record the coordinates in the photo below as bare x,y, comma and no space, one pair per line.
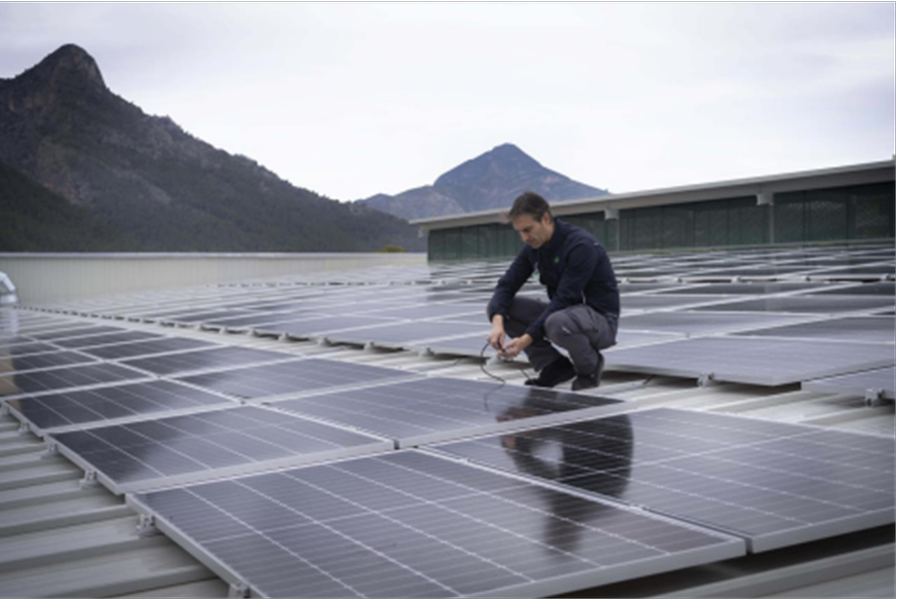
531,218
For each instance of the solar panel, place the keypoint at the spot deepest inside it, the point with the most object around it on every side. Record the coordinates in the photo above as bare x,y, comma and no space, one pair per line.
428,311
305,375
197,447
775,484
45,325
25,348
874,289
148,348
311,327
866,272
473,344
86,329
113,403
747,289
104,340
654,302
46,360
199,317
857,329
15,340
408,335
695,323
441,408
769,362
206,359
256,320
759,273
65,378
807,304
413,525
874,384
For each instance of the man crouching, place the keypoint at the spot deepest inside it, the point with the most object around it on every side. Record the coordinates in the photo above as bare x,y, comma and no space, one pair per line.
581,316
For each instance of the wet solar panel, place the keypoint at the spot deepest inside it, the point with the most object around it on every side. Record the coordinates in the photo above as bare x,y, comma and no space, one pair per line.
775,484
418,526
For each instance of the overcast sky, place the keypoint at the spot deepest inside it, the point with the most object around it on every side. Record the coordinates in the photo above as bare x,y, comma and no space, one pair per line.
350,100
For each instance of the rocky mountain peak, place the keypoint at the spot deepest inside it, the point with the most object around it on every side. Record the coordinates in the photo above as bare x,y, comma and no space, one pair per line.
506,160
69,67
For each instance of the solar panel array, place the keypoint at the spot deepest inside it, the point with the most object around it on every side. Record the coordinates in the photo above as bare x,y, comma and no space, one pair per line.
775,484
206,445
413,525
546,506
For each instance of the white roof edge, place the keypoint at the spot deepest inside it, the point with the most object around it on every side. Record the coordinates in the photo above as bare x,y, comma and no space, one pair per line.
696,189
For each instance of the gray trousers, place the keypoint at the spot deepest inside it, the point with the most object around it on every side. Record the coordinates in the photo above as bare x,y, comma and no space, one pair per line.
580,330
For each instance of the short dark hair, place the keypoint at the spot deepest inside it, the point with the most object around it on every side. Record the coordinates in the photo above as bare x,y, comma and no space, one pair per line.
529,203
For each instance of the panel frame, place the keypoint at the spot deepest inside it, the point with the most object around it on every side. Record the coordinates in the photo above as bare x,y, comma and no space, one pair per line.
709,374
44,432
92,473
755,544
869,394
728,548
441,437
142,379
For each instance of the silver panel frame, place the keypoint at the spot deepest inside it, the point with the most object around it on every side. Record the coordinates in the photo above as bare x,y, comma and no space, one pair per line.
729,547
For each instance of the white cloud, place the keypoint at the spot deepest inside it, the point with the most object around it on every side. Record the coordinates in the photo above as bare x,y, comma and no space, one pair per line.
355,99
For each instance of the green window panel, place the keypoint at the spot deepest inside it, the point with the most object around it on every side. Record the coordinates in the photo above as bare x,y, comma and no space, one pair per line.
872,211
856,212
789,217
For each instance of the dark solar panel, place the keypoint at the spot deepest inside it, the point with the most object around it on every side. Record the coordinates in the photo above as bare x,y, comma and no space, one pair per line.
104,340
88,407
413,525
26,348
291,377
775,484
133,350
745,289
408,334
866,289
59,334
440,408
64,378
806,304
874,384
201,360
200,446
45,360
857,329
761,361
310,327
687,322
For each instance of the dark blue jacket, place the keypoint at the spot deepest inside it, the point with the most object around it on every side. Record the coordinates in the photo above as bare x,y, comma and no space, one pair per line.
572,265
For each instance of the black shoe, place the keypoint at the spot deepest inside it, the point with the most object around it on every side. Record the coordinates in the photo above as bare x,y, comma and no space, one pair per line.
592,380
557,372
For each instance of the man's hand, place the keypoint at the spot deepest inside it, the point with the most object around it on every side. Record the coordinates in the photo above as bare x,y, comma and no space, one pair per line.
497,337
516,346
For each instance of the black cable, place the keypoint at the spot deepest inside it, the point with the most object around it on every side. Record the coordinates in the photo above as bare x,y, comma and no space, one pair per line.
496,377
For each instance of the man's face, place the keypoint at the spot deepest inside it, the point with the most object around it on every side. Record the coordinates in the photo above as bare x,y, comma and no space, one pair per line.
534,232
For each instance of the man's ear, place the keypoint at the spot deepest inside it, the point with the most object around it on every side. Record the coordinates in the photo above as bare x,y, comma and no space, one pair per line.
546,218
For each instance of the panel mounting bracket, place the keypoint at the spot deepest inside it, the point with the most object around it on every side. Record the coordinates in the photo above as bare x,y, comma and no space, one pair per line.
874,397
90,479
146,526
51,451
705,379
23,429
238,590
4,409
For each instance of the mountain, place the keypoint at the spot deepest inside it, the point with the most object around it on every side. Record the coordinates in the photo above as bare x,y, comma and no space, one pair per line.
34,219
151,186
488,182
